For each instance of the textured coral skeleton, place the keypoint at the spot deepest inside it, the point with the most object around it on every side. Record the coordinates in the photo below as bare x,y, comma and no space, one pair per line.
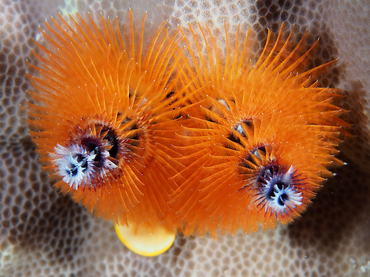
43,233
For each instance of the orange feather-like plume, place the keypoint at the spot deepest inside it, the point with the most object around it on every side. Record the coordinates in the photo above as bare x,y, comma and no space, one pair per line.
151,137
101,115
261,137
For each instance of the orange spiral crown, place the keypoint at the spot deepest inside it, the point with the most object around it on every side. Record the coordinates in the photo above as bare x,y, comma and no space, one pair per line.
101,115
261,137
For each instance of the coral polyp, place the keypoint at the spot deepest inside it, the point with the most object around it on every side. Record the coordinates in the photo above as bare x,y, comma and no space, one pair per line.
102,104
267,134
